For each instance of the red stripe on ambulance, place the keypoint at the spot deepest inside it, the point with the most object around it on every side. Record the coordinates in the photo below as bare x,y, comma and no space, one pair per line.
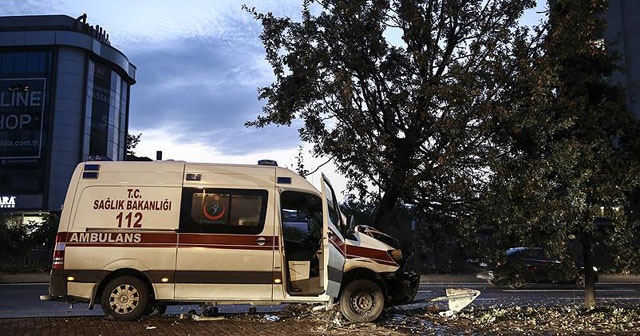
147,239
378,255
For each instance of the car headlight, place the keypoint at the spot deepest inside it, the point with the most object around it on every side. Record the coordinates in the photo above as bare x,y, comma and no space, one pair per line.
595,269
396,255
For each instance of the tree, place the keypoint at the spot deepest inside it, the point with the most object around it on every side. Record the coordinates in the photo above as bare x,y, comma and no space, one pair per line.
569,153
132,142
396,92
28,246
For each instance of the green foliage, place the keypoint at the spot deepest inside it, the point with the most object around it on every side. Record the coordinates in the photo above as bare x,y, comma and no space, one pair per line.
132,142
300,169
472,122
28,247
568,151
359,212
396,92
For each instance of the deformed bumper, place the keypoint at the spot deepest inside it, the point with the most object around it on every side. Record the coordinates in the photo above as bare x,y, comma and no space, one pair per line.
403,287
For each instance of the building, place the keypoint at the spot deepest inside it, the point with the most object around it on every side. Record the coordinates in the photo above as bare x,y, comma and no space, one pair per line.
64,97
623,24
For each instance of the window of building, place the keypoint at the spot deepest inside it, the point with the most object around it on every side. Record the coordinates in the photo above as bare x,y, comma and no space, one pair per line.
106,107
25,86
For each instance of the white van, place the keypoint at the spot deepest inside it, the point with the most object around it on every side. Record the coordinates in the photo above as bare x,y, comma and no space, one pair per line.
138,236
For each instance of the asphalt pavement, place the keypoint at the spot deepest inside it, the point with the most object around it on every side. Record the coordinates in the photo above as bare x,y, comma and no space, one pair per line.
241,324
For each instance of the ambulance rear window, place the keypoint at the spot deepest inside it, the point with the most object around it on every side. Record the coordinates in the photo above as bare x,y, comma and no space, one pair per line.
223,210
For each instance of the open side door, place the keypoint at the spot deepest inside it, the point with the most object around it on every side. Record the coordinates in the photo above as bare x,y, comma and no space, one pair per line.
332,240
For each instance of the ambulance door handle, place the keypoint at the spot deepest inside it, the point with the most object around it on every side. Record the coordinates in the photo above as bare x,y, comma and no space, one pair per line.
261,241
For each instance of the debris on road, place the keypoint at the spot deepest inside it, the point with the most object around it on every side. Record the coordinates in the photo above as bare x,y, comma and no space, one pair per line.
207,318
271,318
458,299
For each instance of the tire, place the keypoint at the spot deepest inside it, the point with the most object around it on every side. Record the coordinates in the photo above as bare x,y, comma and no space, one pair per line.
362,301
125,298
516,281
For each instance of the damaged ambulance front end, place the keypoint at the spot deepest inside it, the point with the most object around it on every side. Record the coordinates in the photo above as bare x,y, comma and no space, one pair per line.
371,252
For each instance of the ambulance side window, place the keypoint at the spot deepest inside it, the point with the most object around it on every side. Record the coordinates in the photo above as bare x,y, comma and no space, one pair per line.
237,211
301,216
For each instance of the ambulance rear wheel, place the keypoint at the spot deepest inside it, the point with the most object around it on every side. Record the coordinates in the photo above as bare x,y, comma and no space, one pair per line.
125,298
362,301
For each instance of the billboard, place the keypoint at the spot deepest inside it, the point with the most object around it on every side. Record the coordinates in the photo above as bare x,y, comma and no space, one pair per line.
22,104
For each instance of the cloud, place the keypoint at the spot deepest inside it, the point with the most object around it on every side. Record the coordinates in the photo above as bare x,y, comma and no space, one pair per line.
204,90
199,64
176,147
32,7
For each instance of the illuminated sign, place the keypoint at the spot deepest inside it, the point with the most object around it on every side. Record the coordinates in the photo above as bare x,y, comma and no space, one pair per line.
7,202
22,104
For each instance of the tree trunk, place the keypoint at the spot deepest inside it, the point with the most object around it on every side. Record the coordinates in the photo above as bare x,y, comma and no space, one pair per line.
401,154
590,274
385,210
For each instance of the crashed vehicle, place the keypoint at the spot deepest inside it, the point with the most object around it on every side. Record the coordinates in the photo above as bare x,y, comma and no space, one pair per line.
135,237
524,265
372,254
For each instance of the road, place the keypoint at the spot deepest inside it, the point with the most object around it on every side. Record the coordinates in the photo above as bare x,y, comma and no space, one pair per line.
22,300
618,293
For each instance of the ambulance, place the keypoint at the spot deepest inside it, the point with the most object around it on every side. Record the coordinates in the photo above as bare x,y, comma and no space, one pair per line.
135,237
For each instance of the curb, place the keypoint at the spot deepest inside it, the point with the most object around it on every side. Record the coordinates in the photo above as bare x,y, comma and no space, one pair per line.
24,278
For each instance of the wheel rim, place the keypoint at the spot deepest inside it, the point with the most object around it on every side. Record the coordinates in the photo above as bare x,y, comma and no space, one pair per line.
362,301
124,299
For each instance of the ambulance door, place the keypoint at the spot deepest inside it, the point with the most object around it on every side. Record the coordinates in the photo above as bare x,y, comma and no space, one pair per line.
225,245
301,227
333,242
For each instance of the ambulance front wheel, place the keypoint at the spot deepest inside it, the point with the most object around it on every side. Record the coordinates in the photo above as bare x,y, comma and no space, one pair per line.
362,301
125,298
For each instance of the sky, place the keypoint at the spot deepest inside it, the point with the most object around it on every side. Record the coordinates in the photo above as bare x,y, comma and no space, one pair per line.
199,66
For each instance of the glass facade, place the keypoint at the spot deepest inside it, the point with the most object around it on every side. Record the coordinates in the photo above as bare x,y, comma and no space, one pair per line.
64,98
25,114
106,110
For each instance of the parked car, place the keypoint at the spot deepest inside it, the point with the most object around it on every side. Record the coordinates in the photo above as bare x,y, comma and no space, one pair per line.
534,265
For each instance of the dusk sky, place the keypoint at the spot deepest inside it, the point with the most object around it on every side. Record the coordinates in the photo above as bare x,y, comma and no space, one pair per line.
199,64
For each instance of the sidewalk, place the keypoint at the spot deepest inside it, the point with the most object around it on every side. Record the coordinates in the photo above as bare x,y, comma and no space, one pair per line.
425,278
24,277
